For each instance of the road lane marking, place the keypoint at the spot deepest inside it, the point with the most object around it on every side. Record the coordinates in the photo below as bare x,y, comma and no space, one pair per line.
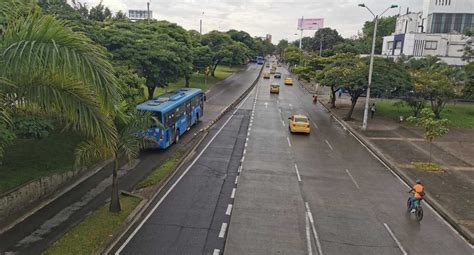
216,252
229,209
330,147
246,144
283,123
279,110
233,194
395,239
242,160
178,180
352,178
223,229
288,139
314,124
297,173
315,233
240,169
308,236
266,105
245,151
236,180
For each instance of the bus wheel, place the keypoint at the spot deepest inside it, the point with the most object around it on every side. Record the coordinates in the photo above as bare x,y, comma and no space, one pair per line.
176,139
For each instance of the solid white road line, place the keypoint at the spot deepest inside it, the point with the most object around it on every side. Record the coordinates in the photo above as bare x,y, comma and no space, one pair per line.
223,229
236,179
352,178
216,252
330,147
311,220
395,239
178,180
289,143
229,209
233,194
297,173
308,236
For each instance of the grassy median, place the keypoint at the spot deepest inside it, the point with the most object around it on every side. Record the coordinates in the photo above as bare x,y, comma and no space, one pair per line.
198,80
459,115
162,171
95,231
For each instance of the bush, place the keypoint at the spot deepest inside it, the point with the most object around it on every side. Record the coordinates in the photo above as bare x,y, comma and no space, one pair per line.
6,138
32,127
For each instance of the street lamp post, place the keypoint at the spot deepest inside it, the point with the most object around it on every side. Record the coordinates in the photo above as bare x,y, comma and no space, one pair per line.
371,66
200,23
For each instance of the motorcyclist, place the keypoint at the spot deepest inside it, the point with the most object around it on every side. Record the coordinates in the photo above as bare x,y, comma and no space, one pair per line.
418,192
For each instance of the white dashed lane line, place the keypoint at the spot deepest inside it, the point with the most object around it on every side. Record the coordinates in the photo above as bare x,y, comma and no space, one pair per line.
229,210
330,147
223,229
289,143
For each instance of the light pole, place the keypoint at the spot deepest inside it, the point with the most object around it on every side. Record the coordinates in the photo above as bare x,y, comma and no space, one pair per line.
371,66
200,23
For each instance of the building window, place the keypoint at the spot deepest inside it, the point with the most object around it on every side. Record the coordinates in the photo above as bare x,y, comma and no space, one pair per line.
431,45
390,45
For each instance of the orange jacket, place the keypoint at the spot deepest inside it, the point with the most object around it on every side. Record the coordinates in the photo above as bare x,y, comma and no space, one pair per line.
418,190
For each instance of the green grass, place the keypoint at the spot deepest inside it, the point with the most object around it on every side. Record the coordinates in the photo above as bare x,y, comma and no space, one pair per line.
427,166
29,159
94,232
459,115
198,80
161,172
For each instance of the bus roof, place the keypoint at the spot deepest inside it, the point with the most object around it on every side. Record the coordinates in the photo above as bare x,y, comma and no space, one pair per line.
168,101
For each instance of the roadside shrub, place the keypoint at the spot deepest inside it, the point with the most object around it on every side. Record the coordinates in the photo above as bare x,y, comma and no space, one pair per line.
6,138
32,127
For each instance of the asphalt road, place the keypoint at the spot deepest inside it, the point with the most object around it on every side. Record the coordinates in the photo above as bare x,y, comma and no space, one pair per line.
322,193
41,229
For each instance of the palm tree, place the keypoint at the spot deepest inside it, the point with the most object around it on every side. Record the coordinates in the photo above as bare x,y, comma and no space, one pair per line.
51,69
128,147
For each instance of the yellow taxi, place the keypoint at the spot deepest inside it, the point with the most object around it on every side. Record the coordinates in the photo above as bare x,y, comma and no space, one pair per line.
288,81
275,88
299,124
266,76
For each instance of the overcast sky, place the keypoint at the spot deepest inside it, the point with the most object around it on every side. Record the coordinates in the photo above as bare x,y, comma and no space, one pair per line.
259,17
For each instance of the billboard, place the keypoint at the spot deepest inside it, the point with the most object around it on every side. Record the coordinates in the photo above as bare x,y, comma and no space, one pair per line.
310,24
139,14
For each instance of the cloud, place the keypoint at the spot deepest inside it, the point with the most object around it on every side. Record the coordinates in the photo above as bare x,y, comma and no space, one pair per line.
259,17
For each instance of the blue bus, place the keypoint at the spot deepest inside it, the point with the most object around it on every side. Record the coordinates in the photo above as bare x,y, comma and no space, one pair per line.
260,60
177,111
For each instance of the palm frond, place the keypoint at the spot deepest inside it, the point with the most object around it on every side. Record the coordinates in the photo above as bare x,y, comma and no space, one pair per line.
73,103
91,151
40,43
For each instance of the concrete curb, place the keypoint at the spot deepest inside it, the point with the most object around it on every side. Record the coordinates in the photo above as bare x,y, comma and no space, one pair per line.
445,214
133,218
86,175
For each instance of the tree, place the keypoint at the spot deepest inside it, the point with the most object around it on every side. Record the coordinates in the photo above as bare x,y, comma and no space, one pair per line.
219,44
128,147
281,46
433,128
468,53
328,37
64,74
468,90
385,27
292,55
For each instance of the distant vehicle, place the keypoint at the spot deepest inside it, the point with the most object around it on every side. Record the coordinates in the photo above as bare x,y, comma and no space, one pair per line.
260,60
275,88
267,65
177,111
299,124
266,76
277,75
288,81
273,71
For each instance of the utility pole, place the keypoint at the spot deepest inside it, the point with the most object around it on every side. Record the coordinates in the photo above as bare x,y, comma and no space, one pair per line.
200,24
148,11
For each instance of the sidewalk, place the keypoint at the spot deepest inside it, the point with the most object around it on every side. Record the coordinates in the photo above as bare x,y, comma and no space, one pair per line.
452,190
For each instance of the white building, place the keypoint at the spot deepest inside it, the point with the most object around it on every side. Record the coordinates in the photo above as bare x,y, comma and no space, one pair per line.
140,14
437,31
